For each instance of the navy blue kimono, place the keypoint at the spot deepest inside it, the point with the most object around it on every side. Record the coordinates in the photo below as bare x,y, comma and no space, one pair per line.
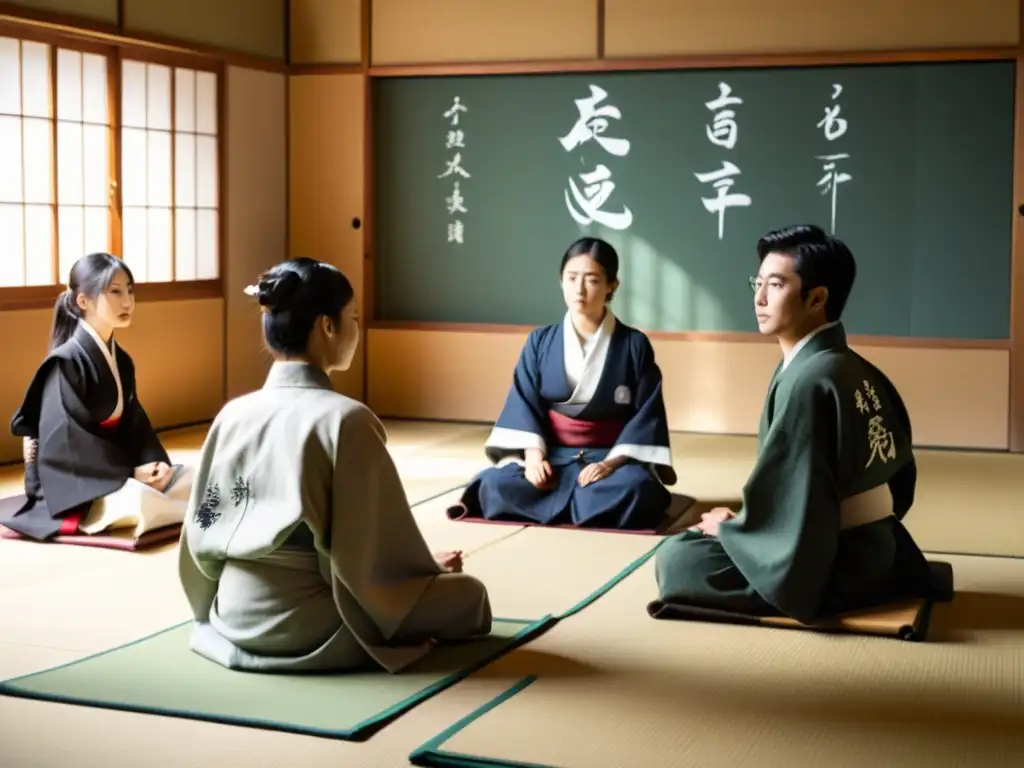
579,402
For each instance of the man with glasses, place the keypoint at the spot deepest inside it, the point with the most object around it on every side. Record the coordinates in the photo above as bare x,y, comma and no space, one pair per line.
819,531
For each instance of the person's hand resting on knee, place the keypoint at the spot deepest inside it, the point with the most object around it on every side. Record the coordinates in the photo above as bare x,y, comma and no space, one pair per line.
450,561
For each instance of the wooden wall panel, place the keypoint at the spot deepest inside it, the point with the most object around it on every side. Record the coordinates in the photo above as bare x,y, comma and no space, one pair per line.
178,349
428,31
326,183
710,386
636,28
96,10
325,31
256,212
255,27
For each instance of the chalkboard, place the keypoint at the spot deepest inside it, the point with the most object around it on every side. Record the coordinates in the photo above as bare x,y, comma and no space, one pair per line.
475,205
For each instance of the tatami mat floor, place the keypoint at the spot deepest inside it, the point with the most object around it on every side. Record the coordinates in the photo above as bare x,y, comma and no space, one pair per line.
657,694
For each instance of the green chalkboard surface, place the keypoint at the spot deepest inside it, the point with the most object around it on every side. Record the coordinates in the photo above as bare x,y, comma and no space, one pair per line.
911,164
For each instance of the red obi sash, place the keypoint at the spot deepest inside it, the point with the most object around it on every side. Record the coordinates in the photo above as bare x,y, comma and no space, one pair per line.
69,524
579,433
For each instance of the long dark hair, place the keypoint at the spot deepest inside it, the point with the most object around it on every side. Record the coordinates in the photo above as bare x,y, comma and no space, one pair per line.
293,295
91,275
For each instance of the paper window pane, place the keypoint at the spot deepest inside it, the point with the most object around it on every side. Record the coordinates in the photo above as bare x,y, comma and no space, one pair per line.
158,97
159,168
206,102
97,165
206,172
70,169
184,100
10,77
207,245
10,160
134,164
71,236
69,85
160,258
185,170
184,244
12,245
38,160
95,107
97,229
134,241
133,94
39,246
35,79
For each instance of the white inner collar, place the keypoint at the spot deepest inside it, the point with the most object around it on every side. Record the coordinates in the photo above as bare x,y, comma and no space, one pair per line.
585,358
109,354
788,358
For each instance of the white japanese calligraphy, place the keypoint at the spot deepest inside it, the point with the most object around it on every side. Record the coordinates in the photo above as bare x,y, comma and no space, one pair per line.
455,139
588,202
456,200
455,203
722,180
723,132
834,127
723,128
585,204
453,111
593,122
454,166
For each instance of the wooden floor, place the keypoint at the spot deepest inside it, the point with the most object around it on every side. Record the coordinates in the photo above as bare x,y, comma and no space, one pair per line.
614,687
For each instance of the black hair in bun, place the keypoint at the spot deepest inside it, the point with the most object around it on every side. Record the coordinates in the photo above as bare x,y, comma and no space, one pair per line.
277,292
293,295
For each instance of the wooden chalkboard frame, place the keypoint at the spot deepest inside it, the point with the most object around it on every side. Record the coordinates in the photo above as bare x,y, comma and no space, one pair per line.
1015,344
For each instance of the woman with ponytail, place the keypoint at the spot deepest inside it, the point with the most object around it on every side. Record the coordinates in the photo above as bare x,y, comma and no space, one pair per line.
90,450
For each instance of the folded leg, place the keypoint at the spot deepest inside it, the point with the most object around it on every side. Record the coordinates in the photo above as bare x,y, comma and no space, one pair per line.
504,493
630,498
455,606
693,569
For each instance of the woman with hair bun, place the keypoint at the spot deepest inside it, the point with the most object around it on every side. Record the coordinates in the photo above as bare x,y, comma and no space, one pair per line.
299,551
90,451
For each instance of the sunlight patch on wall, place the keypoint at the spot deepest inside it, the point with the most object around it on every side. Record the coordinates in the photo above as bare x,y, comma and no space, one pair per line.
656,293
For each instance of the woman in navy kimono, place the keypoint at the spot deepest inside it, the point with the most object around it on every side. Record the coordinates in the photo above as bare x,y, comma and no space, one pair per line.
583,437
86,433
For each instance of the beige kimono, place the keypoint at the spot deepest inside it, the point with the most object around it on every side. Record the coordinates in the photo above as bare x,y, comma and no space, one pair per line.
299,550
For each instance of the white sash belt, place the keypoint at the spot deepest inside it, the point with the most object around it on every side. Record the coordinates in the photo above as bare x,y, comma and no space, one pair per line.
868,507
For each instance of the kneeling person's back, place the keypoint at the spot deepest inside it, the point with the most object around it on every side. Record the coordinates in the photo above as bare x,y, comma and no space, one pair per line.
300,551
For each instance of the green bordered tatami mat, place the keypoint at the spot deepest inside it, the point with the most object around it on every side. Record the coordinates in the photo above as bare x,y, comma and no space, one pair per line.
541,571
610,584
431,755
160,675
614,686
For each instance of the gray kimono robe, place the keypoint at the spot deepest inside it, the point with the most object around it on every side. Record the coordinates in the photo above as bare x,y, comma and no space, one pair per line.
299,551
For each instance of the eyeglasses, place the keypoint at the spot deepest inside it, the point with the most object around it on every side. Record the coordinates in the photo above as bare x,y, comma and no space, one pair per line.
757,282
